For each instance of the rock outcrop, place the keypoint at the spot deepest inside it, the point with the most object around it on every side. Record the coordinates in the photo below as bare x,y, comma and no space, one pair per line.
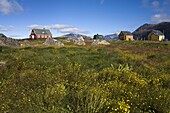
8,41
100,42
79,41
50,41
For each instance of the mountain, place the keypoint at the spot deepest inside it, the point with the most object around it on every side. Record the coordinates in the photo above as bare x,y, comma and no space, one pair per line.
111,37
73,35
8,41
143,31
107,37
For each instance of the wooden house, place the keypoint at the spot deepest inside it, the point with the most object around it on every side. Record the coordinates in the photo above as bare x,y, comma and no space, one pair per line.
125,35
156,35
40,33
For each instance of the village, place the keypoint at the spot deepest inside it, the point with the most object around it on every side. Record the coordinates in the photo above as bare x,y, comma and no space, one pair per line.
147,32
143,33
154,35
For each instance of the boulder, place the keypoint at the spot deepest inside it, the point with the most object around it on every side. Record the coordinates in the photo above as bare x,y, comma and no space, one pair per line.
1,42
58,43
50,41
79,41
100,42
8,41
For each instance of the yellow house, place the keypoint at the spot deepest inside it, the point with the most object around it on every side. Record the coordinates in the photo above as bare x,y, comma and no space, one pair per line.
156,35
125,35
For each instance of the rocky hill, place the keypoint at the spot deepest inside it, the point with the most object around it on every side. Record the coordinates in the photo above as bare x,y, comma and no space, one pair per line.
107,37
111,37
8,41
143,31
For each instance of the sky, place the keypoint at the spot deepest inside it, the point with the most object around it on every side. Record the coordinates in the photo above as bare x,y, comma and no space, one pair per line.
88,17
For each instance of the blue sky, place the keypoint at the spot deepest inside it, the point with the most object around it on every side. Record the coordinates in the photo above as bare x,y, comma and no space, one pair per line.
18,17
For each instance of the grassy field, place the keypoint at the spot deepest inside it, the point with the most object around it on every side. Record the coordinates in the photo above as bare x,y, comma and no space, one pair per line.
124,77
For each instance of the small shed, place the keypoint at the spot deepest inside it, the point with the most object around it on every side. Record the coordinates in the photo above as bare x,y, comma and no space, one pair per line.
125,35
156,35
40,33
97,36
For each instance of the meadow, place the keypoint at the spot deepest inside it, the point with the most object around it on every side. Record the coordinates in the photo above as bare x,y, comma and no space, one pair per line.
124,77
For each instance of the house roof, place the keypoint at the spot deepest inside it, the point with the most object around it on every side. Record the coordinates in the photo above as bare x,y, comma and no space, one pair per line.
126,33
157,32
42,31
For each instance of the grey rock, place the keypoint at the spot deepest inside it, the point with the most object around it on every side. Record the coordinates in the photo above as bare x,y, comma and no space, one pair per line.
79,41
8,41
100,42
50,41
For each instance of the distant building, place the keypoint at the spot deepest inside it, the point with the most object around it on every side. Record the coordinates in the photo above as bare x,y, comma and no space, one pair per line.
40,33
156,35
98,37
125,35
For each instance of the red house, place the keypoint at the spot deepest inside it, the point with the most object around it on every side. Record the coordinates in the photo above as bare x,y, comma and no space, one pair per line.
40,33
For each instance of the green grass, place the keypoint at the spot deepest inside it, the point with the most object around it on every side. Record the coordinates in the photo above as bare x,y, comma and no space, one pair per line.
122,77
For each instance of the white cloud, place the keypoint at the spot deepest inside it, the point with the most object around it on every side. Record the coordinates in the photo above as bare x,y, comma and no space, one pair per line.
102,2
116,32
145,3
60,28
6,28
148,3
158,6
54,26
35,26
16,36
155,4
72,30
166,2
157,18
10,6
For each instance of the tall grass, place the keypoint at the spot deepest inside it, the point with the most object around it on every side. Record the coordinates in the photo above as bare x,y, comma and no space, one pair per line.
121,78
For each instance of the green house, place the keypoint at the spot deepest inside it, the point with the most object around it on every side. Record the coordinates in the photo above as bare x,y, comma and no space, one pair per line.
97,36
40,33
